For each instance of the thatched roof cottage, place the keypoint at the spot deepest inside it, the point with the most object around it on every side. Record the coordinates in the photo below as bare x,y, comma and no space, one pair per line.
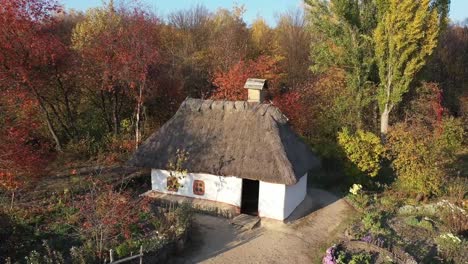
242,153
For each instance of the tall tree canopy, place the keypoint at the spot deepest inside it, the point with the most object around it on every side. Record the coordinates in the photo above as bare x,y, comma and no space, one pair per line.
342,31
405,36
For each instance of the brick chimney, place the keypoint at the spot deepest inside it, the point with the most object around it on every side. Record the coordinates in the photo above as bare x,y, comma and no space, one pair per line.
257,89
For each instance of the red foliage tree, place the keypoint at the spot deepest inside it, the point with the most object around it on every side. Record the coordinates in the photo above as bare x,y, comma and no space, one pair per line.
119,55
139,52
24,153
107,215
231,83
29,51
291,104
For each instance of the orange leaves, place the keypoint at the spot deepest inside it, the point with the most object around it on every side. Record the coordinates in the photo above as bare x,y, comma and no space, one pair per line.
8,181
231,83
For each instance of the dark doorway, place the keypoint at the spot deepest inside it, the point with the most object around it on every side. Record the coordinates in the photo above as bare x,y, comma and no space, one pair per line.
249,202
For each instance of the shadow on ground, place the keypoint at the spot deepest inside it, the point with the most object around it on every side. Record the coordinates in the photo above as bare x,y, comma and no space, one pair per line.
317,220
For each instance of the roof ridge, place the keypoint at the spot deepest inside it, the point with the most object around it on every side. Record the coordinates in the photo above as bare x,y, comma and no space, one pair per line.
198,105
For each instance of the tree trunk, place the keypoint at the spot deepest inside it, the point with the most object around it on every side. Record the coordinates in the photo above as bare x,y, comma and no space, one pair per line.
384,121
58,145
115,115
137,126
103,106
12,200
53,133
138,115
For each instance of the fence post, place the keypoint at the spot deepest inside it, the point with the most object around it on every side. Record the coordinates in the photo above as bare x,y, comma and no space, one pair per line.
111,255
141,254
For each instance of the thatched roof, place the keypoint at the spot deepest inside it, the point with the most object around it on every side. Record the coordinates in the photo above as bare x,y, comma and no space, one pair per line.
246,140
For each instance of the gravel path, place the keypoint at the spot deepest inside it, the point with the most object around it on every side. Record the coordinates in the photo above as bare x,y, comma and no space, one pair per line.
302,240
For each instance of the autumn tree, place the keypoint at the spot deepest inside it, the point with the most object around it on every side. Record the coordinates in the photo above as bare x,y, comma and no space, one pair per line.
96,39
29,55
139,54
120,45
405,36
230,41
448,67
230,84
292,42
263,37
325,109
24,151
423,146
185,51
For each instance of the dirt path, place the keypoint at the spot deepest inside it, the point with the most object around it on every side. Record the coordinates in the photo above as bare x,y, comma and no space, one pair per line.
302,240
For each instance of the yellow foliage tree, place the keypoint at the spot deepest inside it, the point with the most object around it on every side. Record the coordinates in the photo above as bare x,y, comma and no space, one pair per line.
405,36
262,37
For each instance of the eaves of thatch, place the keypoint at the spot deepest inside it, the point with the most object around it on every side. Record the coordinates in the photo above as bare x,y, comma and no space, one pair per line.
242,139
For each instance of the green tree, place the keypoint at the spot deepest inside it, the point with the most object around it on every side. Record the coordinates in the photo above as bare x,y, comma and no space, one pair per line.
405,36
342,31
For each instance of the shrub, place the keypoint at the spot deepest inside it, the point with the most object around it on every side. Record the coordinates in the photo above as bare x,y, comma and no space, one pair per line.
426,224
47,256
389,203
456,220
82,149
373,222
423,147
451,247
421,223
337,255
421,155
107,217
412,221
456,189
361,258
357,196
364,149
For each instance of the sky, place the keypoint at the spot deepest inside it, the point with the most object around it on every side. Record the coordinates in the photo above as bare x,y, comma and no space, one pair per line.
268,9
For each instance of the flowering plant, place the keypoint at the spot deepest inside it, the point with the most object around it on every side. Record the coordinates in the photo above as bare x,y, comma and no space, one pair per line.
330,256
355,189
451,247
357,197
453,238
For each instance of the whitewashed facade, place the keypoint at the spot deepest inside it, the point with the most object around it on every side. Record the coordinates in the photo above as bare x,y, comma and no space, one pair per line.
276,201
219,189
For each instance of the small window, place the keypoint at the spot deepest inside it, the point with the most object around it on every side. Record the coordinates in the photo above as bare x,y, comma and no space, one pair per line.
172,184
199,187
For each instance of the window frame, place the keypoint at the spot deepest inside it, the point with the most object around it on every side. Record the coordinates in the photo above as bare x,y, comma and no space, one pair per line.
197,186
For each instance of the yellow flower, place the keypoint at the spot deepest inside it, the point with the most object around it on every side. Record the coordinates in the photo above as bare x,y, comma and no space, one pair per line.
355,189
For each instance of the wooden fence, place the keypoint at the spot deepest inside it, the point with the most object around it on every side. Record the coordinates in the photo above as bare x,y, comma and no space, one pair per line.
127,259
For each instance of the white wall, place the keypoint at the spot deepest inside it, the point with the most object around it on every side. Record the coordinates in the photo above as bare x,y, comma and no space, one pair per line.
217,188
278,201
295,194
271,200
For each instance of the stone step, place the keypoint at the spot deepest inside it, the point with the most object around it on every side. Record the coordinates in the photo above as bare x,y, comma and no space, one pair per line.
246,221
